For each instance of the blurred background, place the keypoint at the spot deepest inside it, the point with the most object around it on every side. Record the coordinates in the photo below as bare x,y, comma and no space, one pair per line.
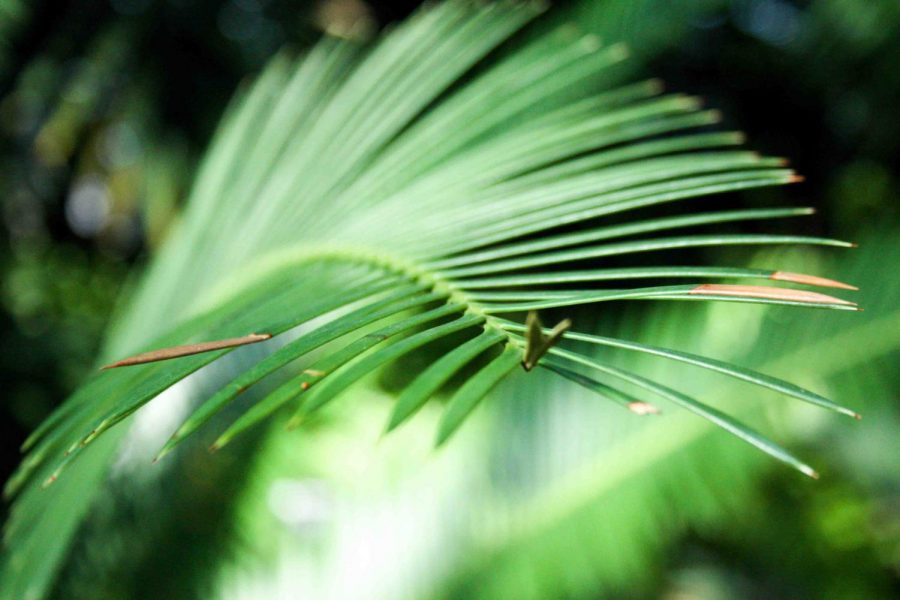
106,107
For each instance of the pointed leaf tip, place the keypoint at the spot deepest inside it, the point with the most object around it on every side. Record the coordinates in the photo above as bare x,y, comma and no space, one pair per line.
810,280
767,293
168,447
187,350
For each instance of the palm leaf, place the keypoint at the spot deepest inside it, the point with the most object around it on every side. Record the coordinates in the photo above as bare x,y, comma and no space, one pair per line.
359,195
642,482
552,491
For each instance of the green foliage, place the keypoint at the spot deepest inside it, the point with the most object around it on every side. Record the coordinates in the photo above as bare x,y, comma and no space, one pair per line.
354,199
618,490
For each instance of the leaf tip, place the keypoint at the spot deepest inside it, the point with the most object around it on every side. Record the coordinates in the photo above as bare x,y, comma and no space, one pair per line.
696,103
392,423
770,293
591,43
810,280
441,438
169,446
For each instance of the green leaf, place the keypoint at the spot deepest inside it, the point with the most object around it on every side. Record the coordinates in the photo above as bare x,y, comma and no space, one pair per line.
621,398
360,181
707,412
325,366
437,374
594,275
603,250
748,375
605,233
393,304
336,383
755,295
472,391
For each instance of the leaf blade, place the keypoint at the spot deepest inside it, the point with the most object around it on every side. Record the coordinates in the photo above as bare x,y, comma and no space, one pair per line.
429,381
473,390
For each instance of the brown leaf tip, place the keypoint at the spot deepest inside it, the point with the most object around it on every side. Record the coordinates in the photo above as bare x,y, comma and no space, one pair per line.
810,280
188,350
767,293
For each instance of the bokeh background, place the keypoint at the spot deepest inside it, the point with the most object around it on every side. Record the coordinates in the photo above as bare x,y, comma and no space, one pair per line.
106,107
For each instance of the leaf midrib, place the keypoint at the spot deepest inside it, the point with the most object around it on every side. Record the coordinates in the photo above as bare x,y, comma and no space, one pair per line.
295,256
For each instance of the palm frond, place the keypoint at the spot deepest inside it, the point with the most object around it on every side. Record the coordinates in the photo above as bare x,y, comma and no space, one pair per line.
359,196
641,482
546,467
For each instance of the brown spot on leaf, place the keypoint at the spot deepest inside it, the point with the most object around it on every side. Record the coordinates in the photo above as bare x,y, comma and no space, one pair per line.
642,408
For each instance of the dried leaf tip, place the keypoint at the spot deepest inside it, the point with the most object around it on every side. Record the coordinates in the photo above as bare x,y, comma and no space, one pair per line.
536,343
767,293
810,280
187,350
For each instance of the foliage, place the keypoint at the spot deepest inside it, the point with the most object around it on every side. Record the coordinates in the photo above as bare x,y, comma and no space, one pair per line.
431,195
